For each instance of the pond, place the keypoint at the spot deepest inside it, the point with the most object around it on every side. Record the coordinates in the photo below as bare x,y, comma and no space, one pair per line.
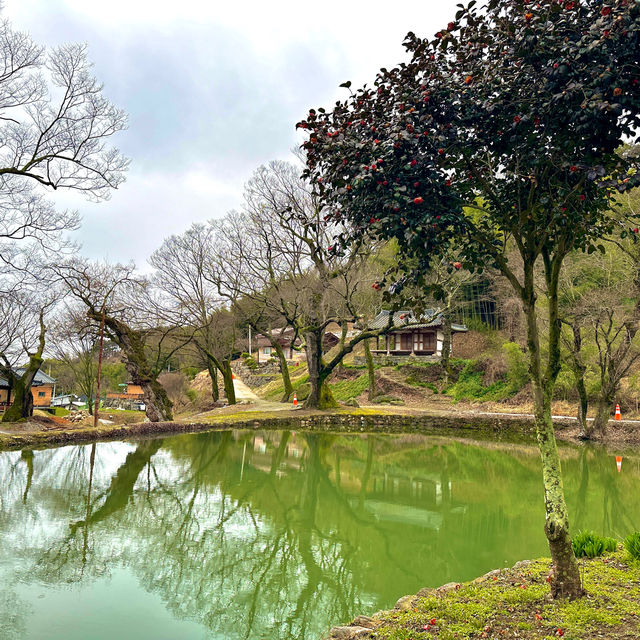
271,535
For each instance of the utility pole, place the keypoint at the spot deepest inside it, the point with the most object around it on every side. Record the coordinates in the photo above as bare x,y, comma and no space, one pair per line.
249,339
96,406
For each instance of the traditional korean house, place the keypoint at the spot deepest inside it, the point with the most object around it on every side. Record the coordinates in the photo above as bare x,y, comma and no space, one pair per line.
420,337
43,389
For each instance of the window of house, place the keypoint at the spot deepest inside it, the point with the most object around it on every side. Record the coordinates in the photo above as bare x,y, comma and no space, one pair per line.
405,341
424,341
41,394
266,351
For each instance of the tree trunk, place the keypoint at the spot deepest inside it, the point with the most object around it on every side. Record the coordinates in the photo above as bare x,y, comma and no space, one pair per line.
22,407
603,413
284,371
157,403
578,369
583,405
90,405
566,576
370,370
320,396
446,347
227,376
213,374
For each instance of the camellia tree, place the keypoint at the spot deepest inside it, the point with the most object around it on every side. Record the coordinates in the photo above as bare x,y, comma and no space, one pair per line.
501,132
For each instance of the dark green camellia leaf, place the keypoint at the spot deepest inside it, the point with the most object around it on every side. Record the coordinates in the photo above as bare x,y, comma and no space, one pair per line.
506,126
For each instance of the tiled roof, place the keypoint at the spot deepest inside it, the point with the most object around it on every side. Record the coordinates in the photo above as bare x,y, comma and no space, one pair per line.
40,378
430,318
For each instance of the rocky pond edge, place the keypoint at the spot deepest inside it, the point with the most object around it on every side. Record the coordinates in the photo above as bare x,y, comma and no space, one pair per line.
343,421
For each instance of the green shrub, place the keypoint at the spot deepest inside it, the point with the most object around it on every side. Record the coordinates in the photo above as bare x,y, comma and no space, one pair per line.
591,545
192,394
517,367
632,545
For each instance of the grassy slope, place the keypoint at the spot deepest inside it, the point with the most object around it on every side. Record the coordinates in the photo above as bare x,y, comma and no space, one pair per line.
514,603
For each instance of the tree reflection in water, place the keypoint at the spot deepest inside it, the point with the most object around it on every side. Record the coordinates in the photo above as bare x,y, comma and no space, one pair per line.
279,535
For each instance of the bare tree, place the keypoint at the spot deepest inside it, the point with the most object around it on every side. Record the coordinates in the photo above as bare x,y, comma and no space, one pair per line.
280,254
133,319
181,273
22,336
75,342
55,126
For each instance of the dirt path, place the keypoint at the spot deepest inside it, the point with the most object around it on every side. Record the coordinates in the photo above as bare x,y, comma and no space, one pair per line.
244,394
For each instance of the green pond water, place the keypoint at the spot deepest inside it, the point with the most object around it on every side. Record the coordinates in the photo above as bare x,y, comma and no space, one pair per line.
274,535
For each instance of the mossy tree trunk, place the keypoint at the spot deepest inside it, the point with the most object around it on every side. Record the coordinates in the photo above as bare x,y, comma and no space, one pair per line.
223,365
371,372
158,407
566,576
20,386
227,378
603,403
320,396
284,371
213,374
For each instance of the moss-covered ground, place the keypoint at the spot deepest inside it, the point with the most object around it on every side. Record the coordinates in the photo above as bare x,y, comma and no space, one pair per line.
514,603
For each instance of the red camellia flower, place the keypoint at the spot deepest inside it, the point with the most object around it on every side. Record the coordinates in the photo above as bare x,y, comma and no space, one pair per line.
528,16
517,119
414,162
375,286
448,183
451,26
432,621
573,168
635,230
583,197
536,121
439,34
605,11
617,91
416,184
569,6
606,33
418,200
468,79
440,151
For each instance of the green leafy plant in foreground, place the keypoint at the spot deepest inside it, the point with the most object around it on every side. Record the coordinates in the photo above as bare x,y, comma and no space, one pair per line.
591,545
632,545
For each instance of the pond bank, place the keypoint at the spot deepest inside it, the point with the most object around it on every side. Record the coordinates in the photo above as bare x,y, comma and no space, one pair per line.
37,434
514,603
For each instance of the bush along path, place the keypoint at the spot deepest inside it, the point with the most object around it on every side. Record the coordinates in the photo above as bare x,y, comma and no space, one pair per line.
516,603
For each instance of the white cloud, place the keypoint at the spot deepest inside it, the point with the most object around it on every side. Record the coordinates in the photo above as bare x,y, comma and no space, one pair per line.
213,89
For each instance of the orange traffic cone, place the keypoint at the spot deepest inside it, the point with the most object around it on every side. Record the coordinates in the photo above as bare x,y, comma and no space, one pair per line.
619,463
618,415
295,399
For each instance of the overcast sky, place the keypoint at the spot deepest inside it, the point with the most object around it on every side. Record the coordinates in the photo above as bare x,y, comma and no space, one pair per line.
213,89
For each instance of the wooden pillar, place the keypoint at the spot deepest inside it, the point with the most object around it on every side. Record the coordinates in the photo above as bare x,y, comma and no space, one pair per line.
386,342
413,343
